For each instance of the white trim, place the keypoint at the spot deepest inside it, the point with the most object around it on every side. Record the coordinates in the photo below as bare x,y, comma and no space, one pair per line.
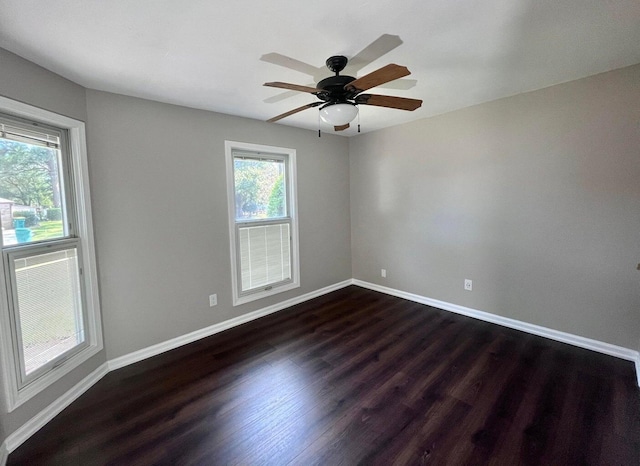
85,230
56,374
38,421
292,190
4,454
41,419
18,437
168,345
575,340
80,183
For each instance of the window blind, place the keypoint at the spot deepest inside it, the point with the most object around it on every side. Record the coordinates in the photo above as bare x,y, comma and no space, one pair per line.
264,255
34,137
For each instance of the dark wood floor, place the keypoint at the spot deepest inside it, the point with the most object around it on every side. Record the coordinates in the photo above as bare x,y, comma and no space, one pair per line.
355,377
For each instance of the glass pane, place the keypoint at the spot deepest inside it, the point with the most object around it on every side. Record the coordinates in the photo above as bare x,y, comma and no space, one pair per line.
31,198
265,257
259,188
49,306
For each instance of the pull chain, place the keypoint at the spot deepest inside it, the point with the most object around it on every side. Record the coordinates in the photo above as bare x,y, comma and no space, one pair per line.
319,135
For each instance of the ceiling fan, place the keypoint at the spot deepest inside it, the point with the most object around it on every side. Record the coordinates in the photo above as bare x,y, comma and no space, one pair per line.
340,95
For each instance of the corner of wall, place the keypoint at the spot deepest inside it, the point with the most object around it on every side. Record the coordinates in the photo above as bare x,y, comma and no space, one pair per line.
34,424
4,454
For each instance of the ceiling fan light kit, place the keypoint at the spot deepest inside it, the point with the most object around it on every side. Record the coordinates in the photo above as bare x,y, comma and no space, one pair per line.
340,95
338,114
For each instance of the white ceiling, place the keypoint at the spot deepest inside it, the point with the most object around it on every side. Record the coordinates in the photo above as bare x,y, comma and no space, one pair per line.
215,55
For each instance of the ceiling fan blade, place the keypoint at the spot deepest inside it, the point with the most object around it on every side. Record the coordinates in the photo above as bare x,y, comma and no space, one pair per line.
341,127
293,87
295,110
375,78
388,101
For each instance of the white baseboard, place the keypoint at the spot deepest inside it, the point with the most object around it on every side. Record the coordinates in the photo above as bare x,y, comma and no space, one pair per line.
575,340
4,454
168,345
32,426
18,437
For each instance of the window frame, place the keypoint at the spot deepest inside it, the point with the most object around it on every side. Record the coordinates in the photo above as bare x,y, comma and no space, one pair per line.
266,152
9,257
79,236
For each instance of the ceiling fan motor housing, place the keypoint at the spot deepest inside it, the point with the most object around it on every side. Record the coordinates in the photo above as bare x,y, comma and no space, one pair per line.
334,85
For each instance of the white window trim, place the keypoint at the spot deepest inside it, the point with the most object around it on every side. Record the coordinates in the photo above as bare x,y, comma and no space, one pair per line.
78,159
229,147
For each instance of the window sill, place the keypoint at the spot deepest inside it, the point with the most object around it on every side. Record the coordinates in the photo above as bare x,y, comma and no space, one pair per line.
239,300
19,397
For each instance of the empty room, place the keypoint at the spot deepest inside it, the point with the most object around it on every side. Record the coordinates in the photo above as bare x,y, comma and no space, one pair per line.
282,233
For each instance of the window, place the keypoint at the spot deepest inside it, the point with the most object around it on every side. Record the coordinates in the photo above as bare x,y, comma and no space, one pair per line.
263,226
50,318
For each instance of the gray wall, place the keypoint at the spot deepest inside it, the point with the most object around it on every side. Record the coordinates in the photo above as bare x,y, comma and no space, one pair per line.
158,189
27,82
23,81
160,213
535,197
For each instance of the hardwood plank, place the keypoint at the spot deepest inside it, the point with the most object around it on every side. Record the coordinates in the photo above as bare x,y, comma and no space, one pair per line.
354,377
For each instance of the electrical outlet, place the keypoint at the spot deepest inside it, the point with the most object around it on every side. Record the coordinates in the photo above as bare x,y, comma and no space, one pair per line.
213,300
383,273
468,284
